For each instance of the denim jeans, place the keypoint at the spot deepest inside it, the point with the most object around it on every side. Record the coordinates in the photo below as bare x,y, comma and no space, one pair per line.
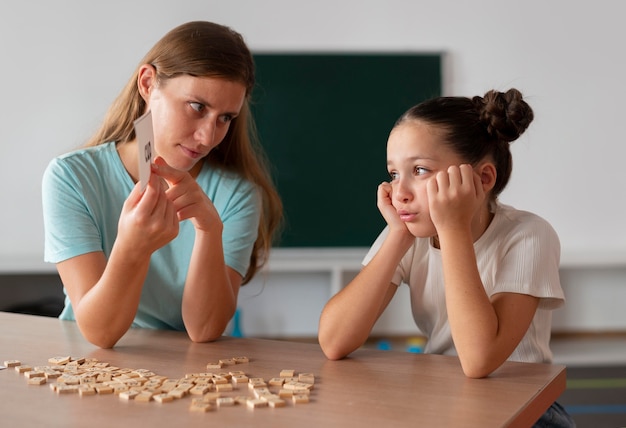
555,417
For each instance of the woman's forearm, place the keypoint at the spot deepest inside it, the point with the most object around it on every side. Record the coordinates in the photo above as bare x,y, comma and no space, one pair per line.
107,310
211,289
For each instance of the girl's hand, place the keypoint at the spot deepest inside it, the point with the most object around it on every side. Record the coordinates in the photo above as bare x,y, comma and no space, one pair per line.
386,208
148,220
190,201
454,197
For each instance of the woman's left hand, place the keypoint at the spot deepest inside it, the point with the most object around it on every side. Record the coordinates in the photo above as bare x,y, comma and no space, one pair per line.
190,202
454,196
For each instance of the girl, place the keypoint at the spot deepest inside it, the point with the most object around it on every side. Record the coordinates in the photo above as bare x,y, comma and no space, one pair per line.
174,255
483,276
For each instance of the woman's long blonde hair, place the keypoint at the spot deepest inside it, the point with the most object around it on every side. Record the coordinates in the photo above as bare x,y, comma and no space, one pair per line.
206,49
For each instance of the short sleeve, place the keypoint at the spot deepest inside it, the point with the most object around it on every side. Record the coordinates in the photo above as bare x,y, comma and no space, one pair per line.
70,230
530,263
239,204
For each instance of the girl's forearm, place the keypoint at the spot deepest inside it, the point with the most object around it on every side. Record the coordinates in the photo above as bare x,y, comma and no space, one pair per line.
473,320
348,317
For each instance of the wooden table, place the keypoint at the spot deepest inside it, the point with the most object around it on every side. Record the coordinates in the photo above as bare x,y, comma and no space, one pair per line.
371,388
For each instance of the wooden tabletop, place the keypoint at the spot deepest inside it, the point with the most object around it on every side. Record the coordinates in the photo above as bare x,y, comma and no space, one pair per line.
371,388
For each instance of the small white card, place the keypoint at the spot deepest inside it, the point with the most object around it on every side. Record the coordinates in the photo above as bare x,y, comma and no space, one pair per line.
144,137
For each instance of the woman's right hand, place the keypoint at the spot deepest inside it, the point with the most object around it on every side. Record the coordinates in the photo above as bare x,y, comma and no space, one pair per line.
105,292
148,219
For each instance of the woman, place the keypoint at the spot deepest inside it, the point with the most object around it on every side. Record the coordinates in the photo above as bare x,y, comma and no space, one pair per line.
175,255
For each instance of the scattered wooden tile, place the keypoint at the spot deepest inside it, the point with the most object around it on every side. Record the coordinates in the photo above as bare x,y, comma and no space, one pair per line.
225,401
203,381
285,393
52,374
214,365
86,390
59,360
118,389
178,392
256,382
144,396
168,385
300,399
297,385
211,396
221,387
239,379
256,403
66,389
88,376
104,389
217,380
37,381
128,395
225,375
276,381
306,378
276,402
258,392
199,405
287,373
162,398
34,373
200,389
241,399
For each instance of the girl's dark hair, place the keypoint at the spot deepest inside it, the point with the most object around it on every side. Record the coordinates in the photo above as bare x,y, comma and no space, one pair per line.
478,127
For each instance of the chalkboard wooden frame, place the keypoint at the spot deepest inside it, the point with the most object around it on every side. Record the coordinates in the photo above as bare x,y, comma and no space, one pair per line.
324,119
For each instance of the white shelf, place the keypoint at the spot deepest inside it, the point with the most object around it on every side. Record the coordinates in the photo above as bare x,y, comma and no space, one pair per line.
25,265
315,259
349,259
335,261
599,260
326,259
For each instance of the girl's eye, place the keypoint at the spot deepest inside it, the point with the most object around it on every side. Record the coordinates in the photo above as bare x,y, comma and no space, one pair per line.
420,170
393,175
197,106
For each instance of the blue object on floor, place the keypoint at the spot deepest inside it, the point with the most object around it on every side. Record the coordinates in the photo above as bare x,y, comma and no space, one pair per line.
415,345
237,324
383,345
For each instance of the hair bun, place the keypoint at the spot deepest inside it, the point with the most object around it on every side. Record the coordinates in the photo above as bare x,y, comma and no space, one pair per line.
505,114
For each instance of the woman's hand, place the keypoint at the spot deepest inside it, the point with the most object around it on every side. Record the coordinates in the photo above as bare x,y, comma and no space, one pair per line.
189,201
148,220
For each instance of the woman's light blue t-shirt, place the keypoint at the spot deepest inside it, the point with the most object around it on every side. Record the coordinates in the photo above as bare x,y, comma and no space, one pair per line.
83,194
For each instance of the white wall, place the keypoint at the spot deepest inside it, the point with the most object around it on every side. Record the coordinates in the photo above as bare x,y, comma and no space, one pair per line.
64,61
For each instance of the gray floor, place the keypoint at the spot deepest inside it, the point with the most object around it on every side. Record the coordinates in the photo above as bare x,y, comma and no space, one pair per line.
568,349
589,350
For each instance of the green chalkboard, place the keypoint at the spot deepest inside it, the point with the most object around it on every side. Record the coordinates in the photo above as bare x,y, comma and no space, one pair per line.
324,120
